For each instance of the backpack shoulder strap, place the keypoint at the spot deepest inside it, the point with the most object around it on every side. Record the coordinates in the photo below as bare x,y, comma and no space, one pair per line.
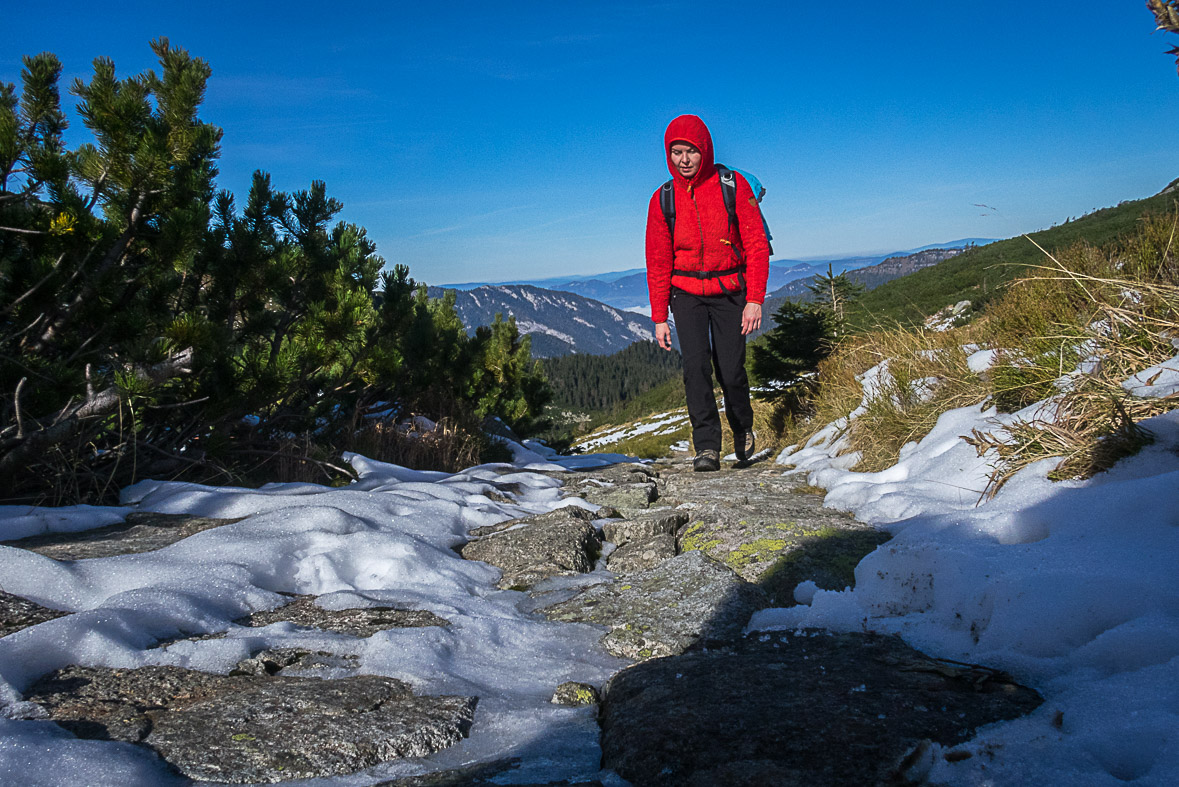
667,205
728,183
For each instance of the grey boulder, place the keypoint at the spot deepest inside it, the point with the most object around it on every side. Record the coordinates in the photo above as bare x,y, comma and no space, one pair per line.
685,600
638,556
560,542
645,525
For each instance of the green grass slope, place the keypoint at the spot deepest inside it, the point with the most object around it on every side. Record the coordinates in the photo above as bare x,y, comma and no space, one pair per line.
978,274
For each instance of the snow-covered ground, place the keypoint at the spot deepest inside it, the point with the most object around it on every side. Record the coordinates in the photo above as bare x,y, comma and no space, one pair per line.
661,423
1073,587
386,540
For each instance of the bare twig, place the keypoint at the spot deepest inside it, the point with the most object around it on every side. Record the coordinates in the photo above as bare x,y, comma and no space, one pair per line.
176,405
20,421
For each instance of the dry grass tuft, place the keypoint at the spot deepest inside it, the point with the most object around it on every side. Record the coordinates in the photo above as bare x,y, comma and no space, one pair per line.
447,447
1126,320
1070,333
924,374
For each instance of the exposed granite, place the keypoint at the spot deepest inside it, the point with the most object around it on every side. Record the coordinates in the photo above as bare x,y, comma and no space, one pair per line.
357,622
575,694
559,542
637,556
250,729
556,515
754,522
18,613
685,600
645,525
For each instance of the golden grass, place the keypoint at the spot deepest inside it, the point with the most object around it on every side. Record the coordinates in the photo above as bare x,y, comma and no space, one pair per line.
1128,321
925,375
1116,308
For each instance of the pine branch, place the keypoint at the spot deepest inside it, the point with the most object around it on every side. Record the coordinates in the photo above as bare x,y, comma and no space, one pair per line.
69,421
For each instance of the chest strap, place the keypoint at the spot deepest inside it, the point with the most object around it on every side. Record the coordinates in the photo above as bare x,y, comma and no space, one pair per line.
739,270
707,274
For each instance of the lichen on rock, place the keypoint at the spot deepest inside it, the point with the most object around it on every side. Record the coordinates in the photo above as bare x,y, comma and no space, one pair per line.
684,600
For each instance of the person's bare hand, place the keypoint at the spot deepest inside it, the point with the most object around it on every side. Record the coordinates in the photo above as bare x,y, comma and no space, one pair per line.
750,318
663,335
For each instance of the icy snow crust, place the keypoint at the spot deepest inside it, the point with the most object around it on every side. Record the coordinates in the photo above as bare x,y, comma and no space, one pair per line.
1070,586
387,539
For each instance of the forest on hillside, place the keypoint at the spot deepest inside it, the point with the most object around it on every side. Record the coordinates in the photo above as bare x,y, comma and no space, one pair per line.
151,326
602,382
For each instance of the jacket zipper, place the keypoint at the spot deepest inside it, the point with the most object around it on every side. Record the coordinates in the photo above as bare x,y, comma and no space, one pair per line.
699,224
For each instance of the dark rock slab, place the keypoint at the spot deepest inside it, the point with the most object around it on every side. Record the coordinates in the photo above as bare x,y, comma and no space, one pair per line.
141,531
358,622
18,613
292,730
251,729
112,704
795,710
685,600
637,556
478,775
559,542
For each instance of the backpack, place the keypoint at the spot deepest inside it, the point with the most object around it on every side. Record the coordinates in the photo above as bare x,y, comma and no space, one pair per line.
728,184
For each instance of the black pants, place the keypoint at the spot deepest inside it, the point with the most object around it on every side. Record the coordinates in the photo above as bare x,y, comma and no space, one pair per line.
709,329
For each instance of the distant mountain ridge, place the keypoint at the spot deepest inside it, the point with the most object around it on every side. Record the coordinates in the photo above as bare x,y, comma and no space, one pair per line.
627,289
872,276
559,323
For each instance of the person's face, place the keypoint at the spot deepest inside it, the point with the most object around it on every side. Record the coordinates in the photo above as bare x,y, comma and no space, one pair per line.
686,159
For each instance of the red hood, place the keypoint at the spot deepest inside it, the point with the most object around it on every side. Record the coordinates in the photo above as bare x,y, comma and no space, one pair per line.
690,129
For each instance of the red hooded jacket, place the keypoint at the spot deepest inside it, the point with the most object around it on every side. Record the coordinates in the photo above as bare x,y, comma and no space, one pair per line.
703,239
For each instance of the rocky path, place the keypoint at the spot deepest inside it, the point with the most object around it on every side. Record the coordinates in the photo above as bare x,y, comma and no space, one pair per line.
670,570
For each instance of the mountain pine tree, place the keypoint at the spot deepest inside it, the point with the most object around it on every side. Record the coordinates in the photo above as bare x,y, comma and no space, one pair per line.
785,361
92,246
833,295
148,328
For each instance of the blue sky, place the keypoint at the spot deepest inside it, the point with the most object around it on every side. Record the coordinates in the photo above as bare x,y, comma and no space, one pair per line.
497,141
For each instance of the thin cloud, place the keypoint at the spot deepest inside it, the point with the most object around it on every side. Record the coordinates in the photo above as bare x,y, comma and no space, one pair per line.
469,221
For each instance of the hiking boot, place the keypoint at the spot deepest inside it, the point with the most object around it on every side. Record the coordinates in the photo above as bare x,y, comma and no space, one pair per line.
706,461
746,446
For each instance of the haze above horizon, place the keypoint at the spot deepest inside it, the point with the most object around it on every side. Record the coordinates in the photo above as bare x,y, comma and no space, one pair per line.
489,143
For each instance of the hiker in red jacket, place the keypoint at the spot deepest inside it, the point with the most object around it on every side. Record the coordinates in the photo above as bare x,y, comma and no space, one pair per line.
711,271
